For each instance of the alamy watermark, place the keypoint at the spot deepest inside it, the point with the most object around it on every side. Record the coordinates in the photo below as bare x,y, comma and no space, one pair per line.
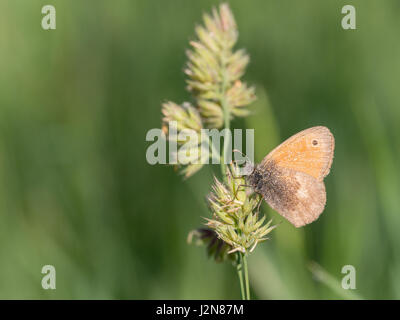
49,280
349,280
49,20
189,146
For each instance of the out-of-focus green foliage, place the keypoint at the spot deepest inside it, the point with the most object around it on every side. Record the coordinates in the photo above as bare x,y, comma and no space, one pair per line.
76,191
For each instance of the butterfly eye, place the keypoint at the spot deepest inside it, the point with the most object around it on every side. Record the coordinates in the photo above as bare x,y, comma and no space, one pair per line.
315,142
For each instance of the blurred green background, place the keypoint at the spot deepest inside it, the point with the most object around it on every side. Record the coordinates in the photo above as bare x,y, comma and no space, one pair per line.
76,191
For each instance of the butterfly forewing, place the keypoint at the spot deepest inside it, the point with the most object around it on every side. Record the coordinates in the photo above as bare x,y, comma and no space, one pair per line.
309,151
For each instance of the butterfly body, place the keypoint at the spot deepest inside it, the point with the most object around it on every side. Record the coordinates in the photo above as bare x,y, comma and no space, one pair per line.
290,178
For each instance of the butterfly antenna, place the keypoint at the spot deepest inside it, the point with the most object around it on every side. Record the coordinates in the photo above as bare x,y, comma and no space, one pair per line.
244,155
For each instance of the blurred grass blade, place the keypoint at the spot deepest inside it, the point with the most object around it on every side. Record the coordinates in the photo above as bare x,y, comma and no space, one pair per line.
331,282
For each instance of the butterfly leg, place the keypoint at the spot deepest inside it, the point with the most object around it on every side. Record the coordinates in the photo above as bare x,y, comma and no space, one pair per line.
259,205
234,177
235,192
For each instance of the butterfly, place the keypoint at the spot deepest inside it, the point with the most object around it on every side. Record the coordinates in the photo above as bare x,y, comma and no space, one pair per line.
290,178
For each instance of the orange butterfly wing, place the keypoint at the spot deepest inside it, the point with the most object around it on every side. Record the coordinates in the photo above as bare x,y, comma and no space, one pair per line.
290,177
310,151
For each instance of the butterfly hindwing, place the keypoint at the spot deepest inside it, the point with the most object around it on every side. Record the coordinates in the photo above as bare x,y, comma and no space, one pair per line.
297,196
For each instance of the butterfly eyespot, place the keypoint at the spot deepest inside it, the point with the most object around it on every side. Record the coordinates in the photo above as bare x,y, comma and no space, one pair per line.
315,142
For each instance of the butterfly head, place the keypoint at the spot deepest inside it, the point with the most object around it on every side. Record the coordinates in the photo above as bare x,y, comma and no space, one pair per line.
248,168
